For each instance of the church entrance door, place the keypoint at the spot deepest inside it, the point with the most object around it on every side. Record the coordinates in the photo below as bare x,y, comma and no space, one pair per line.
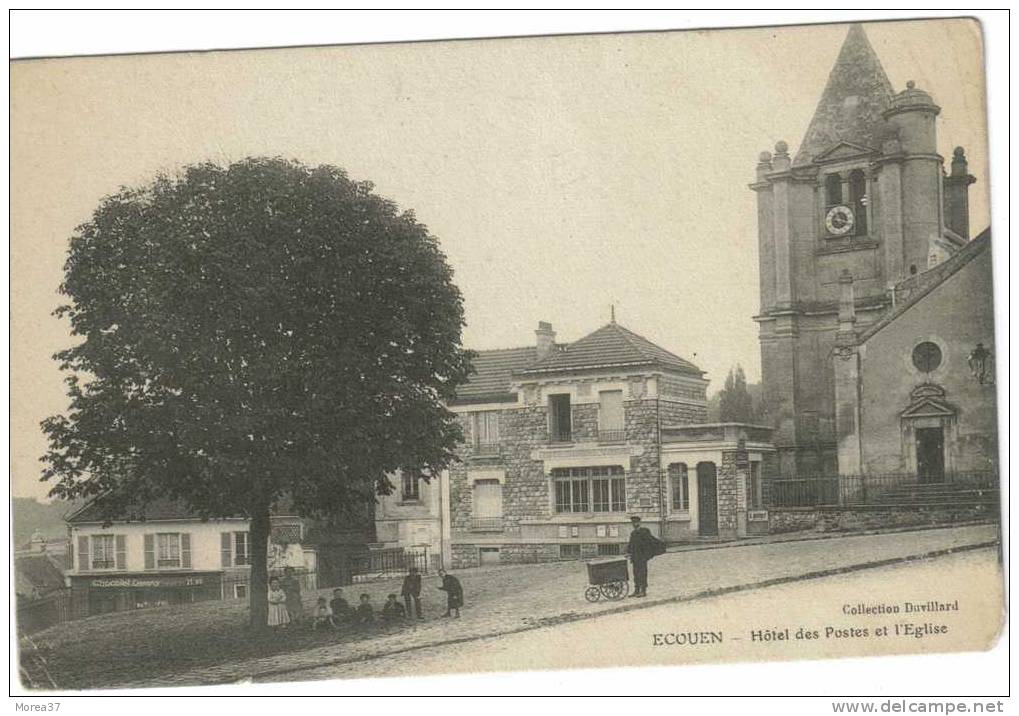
930,455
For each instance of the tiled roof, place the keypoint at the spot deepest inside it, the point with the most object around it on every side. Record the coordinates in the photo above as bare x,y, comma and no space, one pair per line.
919,286
493,371
611,345
160,508
858,91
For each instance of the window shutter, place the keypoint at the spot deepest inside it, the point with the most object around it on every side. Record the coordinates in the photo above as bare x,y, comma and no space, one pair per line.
225,551
242,548
150,551
82,554
185,550
121,542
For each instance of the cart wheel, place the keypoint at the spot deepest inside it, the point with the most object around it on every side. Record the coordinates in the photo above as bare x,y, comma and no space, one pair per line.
624,589
592,594
613,590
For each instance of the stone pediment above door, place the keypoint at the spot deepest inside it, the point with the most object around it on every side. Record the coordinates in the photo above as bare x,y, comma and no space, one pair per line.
842,150
928,401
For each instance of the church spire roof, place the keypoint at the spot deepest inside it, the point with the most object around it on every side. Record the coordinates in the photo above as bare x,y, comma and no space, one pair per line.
850,108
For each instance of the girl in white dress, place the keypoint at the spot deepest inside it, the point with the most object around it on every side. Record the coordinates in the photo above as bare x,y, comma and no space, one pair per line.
278,614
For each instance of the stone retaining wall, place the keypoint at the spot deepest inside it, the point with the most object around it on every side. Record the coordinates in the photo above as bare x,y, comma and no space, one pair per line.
854,520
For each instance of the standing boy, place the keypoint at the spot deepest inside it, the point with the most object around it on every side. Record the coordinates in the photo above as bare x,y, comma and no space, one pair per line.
411,591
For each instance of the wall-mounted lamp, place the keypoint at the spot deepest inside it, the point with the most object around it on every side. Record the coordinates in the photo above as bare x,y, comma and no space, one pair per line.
981,364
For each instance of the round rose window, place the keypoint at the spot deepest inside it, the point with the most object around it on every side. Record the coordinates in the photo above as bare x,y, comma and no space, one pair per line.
927,357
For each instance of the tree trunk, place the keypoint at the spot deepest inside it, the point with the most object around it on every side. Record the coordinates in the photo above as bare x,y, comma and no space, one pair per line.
258,590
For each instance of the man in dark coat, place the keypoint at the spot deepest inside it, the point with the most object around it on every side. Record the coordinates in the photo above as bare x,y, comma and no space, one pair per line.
642,547
411,591
454,593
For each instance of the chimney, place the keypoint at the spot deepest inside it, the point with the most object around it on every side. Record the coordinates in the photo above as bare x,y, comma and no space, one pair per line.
957,194
545,339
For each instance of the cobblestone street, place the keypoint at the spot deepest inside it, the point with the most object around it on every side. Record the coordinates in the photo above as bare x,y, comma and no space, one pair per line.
615,639
513,599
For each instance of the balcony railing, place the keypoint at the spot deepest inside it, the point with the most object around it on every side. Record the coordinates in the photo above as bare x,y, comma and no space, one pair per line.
611,436
560,436
487,524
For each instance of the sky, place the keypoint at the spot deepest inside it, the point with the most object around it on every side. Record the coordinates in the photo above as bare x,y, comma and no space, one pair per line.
561,175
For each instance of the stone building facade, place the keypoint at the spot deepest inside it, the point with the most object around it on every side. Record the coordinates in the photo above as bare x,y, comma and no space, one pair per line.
916,391
866,196
564,442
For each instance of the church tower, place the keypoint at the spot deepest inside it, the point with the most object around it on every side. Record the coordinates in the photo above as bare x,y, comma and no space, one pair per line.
863,200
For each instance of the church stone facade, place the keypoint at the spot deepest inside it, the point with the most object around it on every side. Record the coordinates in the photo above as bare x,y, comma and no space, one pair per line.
864,202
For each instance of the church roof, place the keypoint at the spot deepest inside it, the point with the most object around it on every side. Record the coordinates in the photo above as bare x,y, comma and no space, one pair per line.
924,283
850,109
611,345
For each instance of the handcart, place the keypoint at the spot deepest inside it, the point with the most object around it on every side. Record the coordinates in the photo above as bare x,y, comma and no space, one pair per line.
609,579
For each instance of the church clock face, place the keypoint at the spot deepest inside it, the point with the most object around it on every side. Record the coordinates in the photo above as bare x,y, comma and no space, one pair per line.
839,220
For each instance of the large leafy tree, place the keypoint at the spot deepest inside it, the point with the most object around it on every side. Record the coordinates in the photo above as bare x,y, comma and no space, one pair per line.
255,334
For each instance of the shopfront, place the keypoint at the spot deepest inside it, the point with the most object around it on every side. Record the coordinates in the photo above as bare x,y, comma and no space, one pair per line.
115,593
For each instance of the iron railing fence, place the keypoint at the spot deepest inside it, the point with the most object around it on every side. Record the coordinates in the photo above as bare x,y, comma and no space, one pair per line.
37,614
391,561
957,488
611,436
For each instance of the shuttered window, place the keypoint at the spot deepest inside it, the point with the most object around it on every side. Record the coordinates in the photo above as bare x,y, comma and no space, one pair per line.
150,551
226,552
103,552
185,550
486,427
121,544
168,549
241,552
172,550
82,554
233,549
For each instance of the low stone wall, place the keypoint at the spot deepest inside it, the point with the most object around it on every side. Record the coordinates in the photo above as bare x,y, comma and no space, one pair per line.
820,519
464,555
467,555
528,553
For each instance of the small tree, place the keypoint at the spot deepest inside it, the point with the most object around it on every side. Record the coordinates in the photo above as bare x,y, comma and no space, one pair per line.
736,404
253,334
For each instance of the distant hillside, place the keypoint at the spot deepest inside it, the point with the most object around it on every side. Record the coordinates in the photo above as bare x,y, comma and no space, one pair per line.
756,391
47,517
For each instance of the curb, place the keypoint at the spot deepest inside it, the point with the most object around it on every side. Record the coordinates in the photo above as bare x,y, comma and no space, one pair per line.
573,617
